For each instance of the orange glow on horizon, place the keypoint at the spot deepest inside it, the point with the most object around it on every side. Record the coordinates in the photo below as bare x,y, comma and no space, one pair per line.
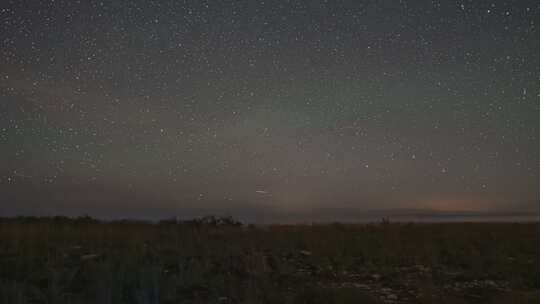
465,204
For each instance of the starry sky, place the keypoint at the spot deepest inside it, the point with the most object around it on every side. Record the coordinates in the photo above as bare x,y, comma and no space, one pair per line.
258,108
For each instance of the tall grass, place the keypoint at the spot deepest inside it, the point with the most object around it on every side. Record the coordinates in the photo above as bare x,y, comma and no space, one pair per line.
57,260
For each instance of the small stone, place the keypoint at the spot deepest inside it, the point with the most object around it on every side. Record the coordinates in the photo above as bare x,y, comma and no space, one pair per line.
88,257
305,253
490,283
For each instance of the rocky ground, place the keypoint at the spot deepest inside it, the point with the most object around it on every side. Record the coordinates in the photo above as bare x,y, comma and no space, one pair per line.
406,284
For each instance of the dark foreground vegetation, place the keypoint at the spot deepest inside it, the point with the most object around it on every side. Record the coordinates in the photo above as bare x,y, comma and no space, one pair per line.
218,260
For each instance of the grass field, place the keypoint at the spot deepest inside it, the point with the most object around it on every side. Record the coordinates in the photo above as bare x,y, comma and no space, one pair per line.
58,260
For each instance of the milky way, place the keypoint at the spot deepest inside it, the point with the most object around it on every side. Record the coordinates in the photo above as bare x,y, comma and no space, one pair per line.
251,108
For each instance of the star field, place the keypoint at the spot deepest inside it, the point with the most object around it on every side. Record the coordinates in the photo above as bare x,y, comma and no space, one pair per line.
151,108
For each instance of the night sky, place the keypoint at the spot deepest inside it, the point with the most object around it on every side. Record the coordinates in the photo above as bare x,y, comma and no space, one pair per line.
261,108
